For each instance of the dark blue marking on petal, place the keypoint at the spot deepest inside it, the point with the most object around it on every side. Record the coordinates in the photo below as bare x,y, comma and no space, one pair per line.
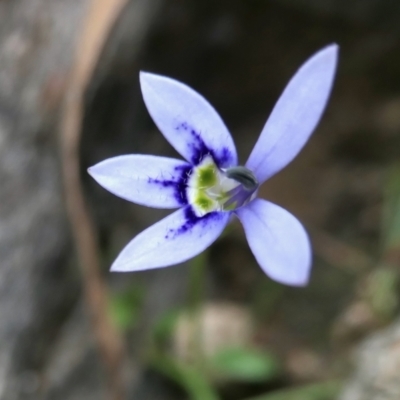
191,219
200,150
225,156
179,184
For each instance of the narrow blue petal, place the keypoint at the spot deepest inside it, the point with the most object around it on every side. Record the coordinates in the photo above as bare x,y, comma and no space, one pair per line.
148,180
295,115
174,239
278,242
187,120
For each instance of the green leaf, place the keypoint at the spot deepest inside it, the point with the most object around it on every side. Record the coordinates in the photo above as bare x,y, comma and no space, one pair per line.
244,364
391,210
124,307
316,391
165,326
192,380
382,291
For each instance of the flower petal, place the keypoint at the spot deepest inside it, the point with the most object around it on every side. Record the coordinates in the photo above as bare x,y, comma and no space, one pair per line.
295,115
172,240
278,241
148,180
187,120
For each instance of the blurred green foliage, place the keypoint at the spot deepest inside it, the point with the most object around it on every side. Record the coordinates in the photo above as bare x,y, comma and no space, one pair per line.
239,363
267,295
164,327
382,284
381,292
125,307
316,391
391,211
197,386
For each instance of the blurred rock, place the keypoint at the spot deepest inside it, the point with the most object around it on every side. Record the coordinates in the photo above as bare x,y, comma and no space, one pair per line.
355,322
377,368
73,370
38,286
217,326
374,306
305,365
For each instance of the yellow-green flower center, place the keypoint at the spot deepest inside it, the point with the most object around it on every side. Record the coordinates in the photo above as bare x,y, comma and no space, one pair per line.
210,189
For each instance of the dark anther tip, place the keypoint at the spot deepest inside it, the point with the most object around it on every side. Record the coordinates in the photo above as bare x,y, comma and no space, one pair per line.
242,175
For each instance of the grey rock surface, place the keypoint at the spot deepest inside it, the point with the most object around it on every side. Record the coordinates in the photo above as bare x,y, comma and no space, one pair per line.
73,369
377,369
39,282
36,285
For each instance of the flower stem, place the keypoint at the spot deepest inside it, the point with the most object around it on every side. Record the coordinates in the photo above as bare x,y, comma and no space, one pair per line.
196,295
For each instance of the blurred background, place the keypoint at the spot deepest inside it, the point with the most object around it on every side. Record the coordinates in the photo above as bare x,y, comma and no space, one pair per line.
215,328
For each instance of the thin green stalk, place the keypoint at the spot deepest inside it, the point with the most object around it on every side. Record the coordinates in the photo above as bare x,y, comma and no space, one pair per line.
196,296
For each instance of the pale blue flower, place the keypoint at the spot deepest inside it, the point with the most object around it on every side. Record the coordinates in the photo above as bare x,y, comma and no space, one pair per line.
209,187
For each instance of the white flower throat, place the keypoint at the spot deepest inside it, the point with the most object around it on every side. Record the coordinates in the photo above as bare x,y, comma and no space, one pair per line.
212,189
